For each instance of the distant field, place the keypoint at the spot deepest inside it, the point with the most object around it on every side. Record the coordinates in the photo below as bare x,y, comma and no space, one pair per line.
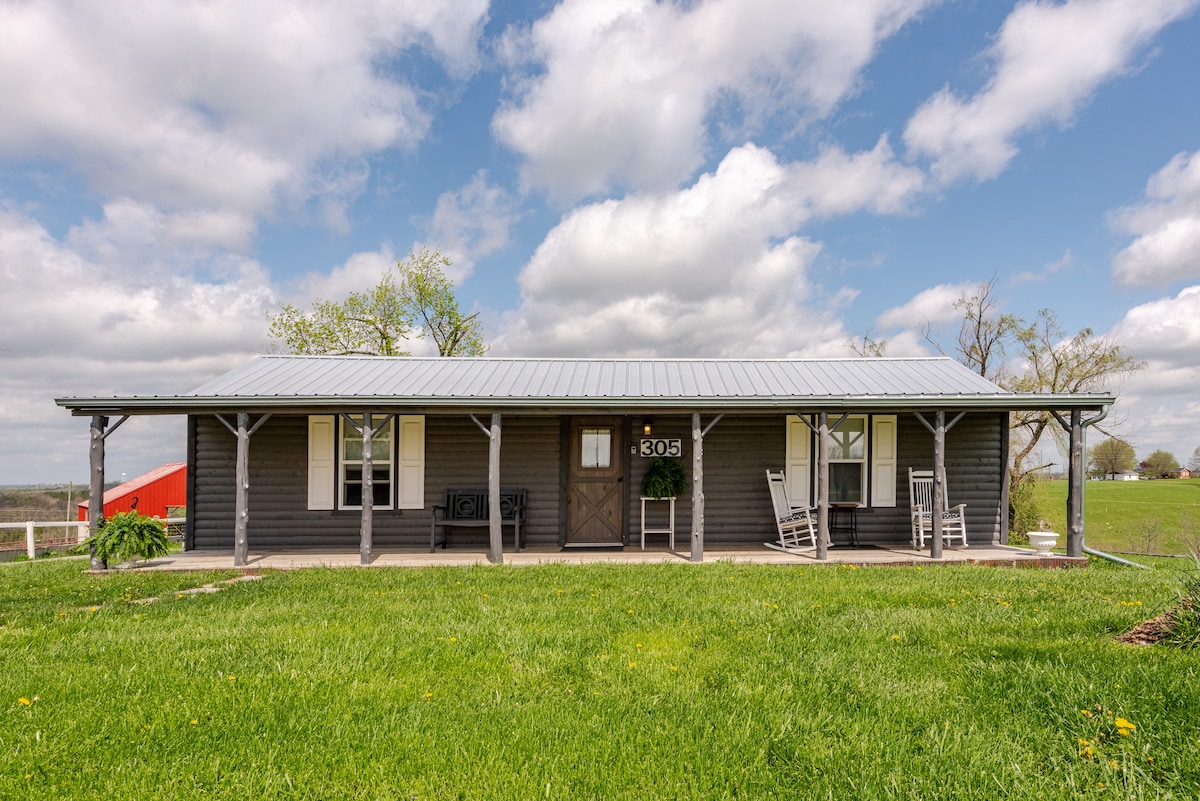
1160,516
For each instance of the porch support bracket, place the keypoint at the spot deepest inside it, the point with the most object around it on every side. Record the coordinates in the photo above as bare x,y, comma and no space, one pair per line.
1076,428
698,435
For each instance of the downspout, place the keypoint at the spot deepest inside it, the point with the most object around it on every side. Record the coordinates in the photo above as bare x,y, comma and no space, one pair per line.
1083,502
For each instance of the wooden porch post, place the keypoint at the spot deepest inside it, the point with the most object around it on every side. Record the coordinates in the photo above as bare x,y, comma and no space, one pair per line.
241,507
96,494
697,490
241,544
939,482
822,486
495,531
368,491
1075,487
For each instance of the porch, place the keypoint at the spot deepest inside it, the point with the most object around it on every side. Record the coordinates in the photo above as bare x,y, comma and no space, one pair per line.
869,556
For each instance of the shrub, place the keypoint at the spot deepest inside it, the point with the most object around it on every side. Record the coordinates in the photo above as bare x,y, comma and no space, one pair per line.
128,535
1184,626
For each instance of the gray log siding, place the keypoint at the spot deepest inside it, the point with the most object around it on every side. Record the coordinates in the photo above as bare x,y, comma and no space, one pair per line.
456,455
736,453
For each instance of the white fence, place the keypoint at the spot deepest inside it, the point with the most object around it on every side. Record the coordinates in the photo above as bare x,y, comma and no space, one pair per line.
32,542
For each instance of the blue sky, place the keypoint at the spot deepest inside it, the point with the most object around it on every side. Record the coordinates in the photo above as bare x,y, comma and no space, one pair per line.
730,178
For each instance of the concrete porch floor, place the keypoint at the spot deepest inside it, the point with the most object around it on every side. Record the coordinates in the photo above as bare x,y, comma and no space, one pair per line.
294,559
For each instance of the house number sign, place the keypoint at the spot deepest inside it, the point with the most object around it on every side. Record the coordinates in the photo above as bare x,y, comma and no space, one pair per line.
661,447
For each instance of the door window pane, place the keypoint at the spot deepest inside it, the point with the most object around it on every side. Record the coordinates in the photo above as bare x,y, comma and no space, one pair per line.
595,447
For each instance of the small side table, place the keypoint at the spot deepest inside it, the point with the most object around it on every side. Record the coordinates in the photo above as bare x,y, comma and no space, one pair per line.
670,528
843,519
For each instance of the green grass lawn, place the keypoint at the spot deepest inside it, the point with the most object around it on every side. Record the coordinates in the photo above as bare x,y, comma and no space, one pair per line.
1160,516
613,682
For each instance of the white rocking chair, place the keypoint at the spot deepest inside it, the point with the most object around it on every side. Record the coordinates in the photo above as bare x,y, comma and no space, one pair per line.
795,524
920,493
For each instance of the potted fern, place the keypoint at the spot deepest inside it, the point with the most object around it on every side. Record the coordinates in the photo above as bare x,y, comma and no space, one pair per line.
126,536
665,478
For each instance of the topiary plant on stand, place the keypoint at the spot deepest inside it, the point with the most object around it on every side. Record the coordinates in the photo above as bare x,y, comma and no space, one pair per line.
128,535
665,478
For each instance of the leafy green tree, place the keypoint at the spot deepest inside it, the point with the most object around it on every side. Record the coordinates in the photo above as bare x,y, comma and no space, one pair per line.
414,299
1161,463
428,297
1112,456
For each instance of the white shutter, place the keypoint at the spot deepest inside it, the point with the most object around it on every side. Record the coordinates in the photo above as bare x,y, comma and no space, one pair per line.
410,471
321,448
883,460
796,465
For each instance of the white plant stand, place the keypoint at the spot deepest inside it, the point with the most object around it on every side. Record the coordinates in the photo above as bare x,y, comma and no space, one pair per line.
669,529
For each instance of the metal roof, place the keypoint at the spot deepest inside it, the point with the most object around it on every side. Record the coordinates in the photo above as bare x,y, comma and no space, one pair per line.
308,382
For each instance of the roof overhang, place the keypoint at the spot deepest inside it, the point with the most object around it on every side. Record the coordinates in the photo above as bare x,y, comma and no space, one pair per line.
168,405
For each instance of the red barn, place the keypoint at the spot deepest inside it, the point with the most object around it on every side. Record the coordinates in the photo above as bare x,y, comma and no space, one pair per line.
153,494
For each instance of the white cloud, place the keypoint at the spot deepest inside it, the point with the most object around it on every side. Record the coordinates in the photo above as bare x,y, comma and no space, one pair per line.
619,92
90,328
714,269
1049,59
1166,224
215,112
470,223
1064,263
933,306
1161,401
359,273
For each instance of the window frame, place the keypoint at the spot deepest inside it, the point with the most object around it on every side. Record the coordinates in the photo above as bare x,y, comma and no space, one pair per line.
343,462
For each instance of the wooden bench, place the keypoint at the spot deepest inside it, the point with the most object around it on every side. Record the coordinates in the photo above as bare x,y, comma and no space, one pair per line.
469,507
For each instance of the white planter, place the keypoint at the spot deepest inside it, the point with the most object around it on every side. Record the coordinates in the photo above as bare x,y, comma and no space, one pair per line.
1042,541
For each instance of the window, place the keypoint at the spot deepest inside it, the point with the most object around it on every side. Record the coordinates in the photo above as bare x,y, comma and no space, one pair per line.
848,461
335,463
352,466
595,447
862,461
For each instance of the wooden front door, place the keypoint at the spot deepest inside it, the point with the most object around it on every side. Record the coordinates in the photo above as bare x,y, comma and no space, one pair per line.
596,482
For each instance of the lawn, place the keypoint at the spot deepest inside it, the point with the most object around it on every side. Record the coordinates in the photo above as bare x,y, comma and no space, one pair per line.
1160,516
605,682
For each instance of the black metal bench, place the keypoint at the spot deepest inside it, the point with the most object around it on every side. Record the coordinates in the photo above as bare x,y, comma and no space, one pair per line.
469,507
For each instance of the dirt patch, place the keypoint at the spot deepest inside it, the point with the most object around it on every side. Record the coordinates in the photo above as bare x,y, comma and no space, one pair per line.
1154,630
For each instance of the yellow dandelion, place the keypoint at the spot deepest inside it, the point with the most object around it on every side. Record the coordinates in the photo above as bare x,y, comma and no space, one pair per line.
639,645
896,637
1122,723
1112,763
673,667
1100,785
93,608
633,664
1087,712
233,678
453,639
1083,742
629,611
24,701
195,722
428,695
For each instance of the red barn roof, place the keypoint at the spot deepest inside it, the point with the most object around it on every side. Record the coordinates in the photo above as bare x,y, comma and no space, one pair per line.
150,493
